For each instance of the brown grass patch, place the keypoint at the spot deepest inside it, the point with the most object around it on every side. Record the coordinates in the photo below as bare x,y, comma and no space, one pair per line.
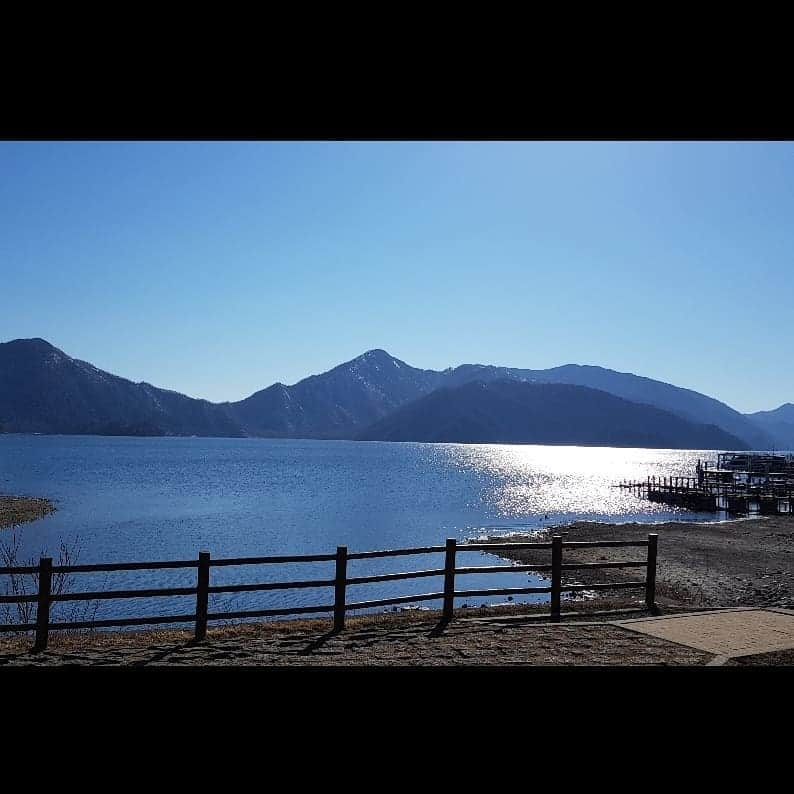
22,509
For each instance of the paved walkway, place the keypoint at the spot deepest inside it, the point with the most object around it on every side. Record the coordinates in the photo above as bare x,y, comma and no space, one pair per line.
726,633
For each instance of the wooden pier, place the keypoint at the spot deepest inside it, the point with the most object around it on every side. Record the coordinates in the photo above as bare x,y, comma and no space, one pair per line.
740,483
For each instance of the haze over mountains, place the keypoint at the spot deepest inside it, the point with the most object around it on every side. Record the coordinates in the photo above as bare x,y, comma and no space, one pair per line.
376,396
779,424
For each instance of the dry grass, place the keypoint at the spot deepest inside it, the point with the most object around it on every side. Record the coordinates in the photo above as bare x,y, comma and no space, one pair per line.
572,610
21,509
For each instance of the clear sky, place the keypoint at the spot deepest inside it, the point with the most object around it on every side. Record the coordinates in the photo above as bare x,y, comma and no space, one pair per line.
219,268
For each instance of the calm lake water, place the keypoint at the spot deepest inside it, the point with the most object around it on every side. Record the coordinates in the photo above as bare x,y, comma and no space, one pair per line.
131,499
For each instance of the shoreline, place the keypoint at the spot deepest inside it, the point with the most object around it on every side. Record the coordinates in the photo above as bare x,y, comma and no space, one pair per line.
579,445
16,510
701,566
738,562
546,530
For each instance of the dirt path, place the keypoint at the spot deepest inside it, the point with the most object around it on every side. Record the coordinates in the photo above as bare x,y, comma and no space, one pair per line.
727,564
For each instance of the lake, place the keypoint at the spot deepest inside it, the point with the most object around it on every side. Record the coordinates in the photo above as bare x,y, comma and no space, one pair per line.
131,499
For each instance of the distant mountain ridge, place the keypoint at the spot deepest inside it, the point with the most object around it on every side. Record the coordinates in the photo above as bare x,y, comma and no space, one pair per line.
350,396
687,403
513,411
332,404
44,390
779,424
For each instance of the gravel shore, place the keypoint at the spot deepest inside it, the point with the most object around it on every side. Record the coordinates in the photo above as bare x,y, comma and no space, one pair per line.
747,562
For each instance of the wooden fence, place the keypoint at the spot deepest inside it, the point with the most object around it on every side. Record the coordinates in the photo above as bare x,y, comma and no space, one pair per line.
45,597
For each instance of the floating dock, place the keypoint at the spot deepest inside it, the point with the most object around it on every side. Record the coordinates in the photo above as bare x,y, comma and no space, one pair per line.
738,482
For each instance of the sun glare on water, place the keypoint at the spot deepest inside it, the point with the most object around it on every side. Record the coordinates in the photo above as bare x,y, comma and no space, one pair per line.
526,480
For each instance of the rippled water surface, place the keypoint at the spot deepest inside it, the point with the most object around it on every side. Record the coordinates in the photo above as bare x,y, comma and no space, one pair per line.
129,499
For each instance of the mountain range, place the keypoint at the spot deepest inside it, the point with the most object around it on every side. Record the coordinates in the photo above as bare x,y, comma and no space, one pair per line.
779,424
378,397
513,411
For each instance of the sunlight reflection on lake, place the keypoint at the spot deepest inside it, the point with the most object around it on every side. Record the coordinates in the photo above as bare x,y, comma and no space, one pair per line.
526,481
133,499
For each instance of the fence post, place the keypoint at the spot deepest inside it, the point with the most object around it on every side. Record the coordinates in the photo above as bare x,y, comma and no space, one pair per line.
43,608
650,576
556,576
449,580
202,595
340,585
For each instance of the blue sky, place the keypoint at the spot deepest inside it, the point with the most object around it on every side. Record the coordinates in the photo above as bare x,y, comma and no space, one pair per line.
219,268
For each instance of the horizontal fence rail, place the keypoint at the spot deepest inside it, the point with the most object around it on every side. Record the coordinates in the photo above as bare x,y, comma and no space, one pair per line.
45,596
